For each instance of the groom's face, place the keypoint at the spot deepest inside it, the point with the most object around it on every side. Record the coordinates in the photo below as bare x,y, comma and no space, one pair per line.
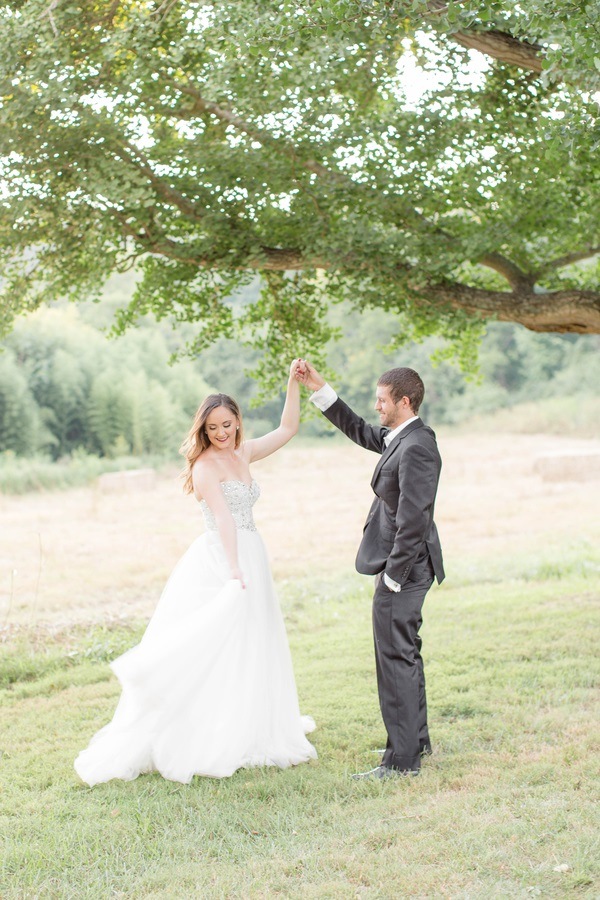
390,414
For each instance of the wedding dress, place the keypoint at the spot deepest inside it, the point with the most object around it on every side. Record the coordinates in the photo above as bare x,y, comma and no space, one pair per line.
210,688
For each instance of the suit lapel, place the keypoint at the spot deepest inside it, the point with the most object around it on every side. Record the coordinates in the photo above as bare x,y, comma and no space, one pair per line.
392,447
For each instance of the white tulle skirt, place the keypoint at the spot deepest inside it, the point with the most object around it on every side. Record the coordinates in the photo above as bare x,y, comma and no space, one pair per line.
210,688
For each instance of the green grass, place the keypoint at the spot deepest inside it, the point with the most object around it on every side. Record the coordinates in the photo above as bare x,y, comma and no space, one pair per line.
507,798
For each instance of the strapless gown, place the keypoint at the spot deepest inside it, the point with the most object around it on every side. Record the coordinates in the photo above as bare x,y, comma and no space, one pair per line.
210,688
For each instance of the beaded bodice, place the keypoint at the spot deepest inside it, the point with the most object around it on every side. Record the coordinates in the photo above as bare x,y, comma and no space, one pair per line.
240,498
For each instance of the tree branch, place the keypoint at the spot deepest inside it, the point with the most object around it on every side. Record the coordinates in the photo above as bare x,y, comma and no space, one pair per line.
513,274
164,9
165,191
502,46
160,246
229,118
271,259
106,18
49,11
497,44
275,259
569,311
576,311
566,260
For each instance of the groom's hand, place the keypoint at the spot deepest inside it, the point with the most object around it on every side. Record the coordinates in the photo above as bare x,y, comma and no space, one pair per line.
299,369
309,376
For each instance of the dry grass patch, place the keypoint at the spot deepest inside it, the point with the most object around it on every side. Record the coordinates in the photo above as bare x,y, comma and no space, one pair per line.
81,555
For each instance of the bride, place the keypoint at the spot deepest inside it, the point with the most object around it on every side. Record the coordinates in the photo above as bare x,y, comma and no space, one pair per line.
210,688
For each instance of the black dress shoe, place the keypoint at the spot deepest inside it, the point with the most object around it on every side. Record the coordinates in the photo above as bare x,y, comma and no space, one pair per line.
385,772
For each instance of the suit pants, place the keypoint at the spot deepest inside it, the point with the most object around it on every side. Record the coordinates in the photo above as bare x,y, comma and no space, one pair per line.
400,677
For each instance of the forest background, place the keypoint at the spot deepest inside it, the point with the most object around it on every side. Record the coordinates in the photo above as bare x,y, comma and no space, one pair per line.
69,394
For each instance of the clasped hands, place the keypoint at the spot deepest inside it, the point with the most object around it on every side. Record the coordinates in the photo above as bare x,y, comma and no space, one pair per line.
307,375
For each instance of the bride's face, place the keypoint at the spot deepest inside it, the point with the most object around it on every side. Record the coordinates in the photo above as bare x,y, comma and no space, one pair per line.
221,426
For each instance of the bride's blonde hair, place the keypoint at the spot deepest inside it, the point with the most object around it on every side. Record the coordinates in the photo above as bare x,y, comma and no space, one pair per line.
197,440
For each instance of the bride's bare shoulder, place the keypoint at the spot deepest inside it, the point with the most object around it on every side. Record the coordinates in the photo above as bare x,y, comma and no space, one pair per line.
204,474
204,463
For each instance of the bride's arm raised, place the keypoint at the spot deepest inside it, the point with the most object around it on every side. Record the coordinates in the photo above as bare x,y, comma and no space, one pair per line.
258,448
208,487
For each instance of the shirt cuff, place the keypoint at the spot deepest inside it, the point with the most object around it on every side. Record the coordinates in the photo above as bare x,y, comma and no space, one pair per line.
324,397
391,584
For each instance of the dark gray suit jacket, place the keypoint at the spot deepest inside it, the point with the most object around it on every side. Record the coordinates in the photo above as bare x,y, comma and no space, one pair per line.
399,530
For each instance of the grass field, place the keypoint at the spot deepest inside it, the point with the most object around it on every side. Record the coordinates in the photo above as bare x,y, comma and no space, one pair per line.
507,806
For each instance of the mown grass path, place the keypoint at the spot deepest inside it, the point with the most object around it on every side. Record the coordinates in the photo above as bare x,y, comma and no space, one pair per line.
506,806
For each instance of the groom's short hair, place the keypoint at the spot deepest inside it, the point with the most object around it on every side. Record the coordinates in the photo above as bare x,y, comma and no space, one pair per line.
404,383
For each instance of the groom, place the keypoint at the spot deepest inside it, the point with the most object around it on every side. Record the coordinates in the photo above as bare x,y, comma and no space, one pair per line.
400,546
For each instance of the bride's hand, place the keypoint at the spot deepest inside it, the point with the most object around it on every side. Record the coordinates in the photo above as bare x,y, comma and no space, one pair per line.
308,375
236,575
298,369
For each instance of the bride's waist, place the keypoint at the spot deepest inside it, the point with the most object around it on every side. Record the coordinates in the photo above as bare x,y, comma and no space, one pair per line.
246,525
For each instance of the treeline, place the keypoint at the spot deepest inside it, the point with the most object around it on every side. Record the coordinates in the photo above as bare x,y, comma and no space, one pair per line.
518,368
65,388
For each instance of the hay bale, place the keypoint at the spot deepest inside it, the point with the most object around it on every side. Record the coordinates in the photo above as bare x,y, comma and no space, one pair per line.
575,465
127,480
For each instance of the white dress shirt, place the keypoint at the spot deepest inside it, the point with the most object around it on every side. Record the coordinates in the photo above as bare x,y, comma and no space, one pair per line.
326,397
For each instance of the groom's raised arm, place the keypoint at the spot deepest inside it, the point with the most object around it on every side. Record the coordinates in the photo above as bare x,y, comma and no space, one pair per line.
339,413
368,436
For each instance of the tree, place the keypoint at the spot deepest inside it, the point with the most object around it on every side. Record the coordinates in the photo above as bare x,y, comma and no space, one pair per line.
205,143
21,430
64,387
